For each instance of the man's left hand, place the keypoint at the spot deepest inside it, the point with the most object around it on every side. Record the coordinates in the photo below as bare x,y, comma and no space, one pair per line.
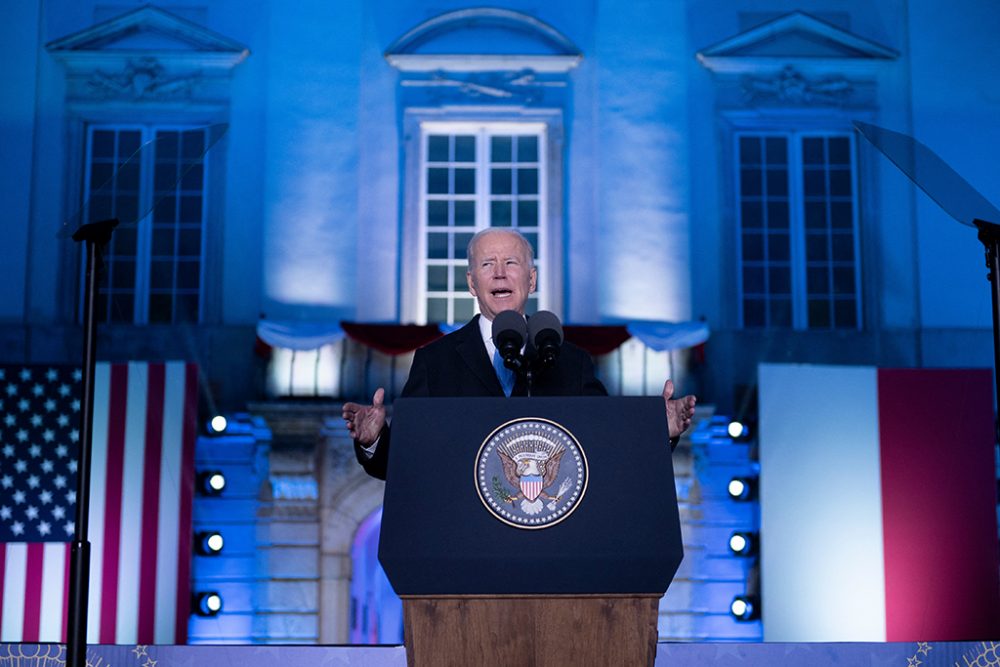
680,411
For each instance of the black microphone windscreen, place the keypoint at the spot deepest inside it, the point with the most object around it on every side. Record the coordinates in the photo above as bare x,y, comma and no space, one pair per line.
509,324
544,320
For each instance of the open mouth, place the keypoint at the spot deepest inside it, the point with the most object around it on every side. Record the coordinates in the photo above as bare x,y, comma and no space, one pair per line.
501,293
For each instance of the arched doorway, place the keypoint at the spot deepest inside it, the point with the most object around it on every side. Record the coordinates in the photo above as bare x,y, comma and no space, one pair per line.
376,610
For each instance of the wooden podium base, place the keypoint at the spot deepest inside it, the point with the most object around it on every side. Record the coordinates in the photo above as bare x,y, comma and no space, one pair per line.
529,630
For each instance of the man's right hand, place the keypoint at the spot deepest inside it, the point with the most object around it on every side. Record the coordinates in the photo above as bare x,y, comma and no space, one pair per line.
365,422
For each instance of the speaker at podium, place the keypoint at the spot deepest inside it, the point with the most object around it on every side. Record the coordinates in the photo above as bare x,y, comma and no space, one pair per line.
528,531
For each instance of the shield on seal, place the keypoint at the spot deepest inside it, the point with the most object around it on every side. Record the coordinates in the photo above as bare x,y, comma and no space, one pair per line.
531,486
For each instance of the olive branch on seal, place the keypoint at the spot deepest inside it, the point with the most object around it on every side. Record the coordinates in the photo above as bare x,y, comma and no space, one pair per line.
500,491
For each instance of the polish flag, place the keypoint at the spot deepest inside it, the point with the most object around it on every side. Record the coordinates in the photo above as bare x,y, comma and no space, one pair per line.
878,499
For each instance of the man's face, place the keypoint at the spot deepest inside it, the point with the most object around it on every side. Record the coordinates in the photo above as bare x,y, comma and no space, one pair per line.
499,275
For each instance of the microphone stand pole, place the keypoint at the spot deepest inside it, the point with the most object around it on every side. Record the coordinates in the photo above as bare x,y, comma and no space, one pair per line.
96,235
989,235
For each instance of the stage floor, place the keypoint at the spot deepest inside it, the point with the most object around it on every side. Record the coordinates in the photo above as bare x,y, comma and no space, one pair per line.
912,654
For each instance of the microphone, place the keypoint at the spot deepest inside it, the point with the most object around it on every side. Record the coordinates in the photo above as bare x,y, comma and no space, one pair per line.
509,332
546,335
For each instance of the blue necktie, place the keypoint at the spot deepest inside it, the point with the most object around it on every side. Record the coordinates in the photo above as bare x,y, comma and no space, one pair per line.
504,374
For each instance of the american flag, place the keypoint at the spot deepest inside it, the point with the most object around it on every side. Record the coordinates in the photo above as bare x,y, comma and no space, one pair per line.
142,479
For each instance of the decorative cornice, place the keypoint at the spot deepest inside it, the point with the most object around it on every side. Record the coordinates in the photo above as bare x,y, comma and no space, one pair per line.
790,87
841,50
551,52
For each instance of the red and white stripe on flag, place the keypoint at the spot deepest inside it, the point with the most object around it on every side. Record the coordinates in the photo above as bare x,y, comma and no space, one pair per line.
878,501
142,481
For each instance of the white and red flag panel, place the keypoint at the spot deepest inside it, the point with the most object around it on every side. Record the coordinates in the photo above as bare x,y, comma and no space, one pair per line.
142,481
878,501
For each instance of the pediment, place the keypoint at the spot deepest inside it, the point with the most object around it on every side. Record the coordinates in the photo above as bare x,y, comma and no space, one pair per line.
148,32
483,39
798,39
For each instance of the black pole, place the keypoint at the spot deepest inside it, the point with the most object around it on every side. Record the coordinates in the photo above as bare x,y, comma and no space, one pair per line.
95,235
989,235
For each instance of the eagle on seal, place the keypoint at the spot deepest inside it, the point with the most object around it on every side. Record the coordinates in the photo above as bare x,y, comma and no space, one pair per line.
532,471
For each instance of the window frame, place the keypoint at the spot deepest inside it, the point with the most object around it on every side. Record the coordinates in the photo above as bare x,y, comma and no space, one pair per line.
418,124
798,259
144,224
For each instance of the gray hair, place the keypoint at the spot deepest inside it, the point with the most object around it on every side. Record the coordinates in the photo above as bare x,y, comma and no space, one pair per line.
529,251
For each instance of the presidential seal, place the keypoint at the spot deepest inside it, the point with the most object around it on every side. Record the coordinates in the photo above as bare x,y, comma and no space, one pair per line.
531,473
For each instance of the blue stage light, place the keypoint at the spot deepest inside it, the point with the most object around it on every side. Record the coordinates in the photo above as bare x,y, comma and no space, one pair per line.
743,543
742,489
208,543
207,603
745,608
211,482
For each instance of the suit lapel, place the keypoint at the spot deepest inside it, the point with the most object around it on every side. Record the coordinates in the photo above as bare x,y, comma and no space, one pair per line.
471,349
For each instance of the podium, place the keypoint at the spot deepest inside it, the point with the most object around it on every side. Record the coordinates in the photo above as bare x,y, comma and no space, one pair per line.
530,531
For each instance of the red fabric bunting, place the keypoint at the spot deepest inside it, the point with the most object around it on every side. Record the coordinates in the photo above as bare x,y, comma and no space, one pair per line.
392,339
596,340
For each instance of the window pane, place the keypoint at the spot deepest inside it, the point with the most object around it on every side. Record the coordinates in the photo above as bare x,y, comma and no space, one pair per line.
437,246
462,245
100,208
437,278
437,181
193,144
845,313
163,241
527,149
819,313
188,274
751,182
128,177
753,280
167,145
812,150
189,242
128,143
500,149
814,182
754,312
776,150
753,247
161,308
778,248
527,213
780,311
840,150
459,283
192,178
122,307
779,280
186,308
840,183
465,213
437,213
843,247
465,149
161,274
165,211
816,249
500,213
527,181
777,182
752,215
437,148
190,209
123,240
815,215
750,150
841,215
122,274
843,280
102,144
817,280
437,310
777,215
464,309
500,181
165,174
465,181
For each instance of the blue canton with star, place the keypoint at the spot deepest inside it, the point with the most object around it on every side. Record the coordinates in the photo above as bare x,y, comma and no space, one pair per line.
39,444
